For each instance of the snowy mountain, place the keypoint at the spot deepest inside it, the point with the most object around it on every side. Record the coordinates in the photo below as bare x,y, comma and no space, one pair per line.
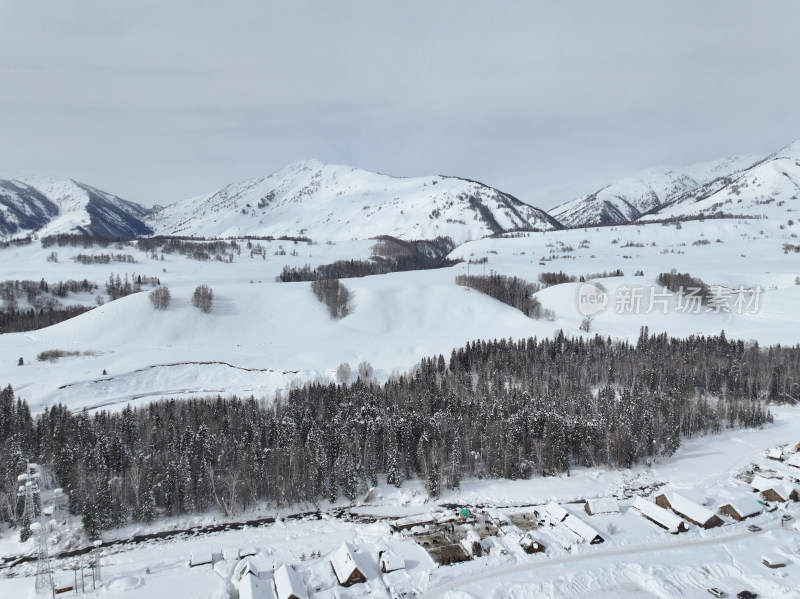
645,192
48,205
625,200
767,188
327,202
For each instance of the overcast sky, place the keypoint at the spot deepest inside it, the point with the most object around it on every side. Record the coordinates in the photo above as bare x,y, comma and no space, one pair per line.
160,100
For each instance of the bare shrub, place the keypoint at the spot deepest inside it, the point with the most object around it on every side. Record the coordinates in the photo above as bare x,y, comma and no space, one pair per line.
333,294
343,373
365,370
586,324
160,298
203,298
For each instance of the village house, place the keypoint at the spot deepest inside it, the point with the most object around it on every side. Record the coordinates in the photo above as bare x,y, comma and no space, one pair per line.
776,453
531,545
409,522
794,461
772,489
201,558
601,505
689,510
288,584
390,561
251,586
741,508
582,530
344,566
555,512
773,561
780,492
663,518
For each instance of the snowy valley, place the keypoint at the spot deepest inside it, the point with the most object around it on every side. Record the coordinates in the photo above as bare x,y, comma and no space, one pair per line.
396,352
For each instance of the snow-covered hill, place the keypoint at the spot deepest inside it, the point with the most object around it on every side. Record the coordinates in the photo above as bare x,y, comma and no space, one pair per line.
48,205
645,192
625,200
769,188
327,202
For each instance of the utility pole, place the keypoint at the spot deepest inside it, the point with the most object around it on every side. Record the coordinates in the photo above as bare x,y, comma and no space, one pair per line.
29,489
44,573
32,524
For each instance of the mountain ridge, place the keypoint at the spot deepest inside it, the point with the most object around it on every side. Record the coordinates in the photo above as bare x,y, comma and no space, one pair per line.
48,205
337,202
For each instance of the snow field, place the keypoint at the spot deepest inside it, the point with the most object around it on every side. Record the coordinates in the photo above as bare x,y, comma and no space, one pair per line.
270,336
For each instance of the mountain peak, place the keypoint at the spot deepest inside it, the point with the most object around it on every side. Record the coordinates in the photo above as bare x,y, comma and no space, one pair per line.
48,204
337,202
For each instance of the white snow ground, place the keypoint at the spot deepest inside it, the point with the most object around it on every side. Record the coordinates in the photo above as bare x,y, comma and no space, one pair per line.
264,336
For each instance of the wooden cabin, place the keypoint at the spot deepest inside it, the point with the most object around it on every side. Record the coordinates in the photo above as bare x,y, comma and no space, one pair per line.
658,515
288,584
601,505
531,545
689,510
773,561
741,509
344,566
390,561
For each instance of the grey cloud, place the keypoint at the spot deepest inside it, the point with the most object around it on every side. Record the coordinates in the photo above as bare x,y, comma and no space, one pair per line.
157,101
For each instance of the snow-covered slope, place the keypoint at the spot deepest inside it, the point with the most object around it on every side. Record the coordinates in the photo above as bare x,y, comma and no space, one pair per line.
645,192
23,208
625,200
50,205
327,202
768,188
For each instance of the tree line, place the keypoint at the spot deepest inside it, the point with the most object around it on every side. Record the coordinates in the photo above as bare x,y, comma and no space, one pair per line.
103,258
515,292
683,283
84,241
389,255
201,250
334,295
497,409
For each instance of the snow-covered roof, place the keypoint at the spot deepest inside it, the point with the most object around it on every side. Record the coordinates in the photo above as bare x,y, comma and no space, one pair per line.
253,587
555,511
762,483
245,566
390,561
201,556
779,486
776,453
794,460
663,517
773,559
288,584
690,509
580,528
415,520
343,562
785,490
603,505
746,506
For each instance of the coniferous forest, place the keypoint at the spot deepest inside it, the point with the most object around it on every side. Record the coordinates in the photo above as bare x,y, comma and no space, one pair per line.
497,409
